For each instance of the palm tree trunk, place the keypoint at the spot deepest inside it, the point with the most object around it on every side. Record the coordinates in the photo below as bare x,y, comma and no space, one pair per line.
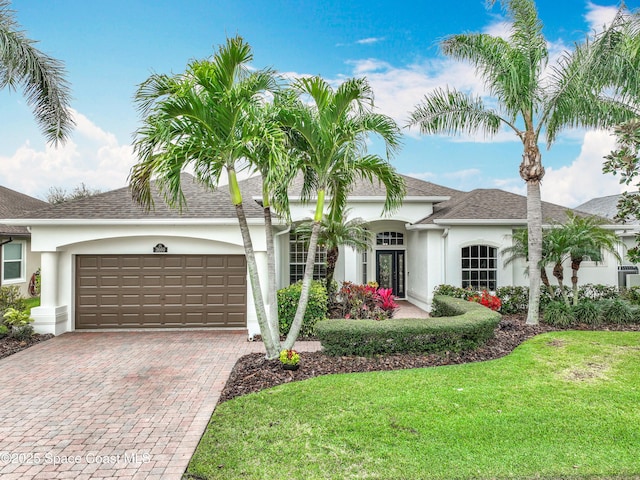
294,331
532,171
575,266
534,220
271,344
545,281
272,297
332,260
558,272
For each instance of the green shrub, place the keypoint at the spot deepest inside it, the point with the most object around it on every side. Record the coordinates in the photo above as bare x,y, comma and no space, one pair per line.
471,326
4,330
587,311
558,314
454,292
20,323
589,291
616,311
288,299
10,297
514,299
632,295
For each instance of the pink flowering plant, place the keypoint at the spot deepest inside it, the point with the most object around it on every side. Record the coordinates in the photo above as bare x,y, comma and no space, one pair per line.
364,302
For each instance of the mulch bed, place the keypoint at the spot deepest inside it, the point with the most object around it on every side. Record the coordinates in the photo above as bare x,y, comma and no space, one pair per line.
253,372
9,346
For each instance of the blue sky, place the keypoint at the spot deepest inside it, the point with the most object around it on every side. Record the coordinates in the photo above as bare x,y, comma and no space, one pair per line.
110,47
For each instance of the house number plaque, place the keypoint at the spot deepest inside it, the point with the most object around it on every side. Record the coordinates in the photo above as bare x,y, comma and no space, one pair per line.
160,248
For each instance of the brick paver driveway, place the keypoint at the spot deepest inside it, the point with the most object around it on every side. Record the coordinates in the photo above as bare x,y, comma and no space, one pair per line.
113,404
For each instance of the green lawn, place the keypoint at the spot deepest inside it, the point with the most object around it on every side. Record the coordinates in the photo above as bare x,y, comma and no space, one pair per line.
32,302
562,405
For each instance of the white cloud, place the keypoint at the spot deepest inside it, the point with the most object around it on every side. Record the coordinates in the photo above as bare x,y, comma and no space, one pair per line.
500,29
597,15
369,40
91,156
583,179
422,175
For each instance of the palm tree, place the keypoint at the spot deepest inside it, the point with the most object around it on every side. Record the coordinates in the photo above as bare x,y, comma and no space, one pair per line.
336,231
42,78
206,119
519,250
331,128
531,102
588,240
557,241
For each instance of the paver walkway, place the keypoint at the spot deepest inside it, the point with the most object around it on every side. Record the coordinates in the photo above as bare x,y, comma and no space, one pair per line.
126,405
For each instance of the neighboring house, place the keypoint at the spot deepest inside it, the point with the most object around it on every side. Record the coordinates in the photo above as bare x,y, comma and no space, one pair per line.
607,207
17,261
106,263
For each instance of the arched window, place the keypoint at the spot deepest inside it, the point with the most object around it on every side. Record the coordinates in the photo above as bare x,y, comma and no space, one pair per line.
390,238
480,267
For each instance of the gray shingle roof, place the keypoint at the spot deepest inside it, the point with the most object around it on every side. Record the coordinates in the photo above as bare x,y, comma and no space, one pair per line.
491,204
118,204
201,202
605,207
14,203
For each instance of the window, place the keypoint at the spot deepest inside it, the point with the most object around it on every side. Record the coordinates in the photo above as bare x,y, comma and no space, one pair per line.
298,258
389,238
479,267
13,262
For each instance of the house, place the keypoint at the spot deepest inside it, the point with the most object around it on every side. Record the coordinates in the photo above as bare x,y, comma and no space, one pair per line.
17,260
106,263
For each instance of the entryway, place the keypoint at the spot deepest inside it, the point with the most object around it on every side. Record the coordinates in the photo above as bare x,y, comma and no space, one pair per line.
390,271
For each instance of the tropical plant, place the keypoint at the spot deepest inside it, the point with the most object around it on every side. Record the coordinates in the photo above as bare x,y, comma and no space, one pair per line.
588,240
41,77
558,314
519,250
487,300
587,312
207,119
530,101
331,127
337,231
289,357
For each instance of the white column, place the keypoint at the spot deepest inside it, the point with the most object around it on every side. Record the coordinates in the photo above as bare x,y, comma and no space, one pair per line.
50,317
48,279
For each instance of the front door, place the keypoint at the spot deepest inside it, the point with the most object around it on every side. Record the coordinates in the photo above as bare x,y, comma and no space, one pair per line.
390,271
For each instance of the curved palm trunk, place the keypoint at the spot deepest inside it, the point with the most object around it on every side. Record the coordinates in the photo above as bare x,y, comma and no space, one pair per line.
575,266
545,281
558,272
532,171
271,344
272,296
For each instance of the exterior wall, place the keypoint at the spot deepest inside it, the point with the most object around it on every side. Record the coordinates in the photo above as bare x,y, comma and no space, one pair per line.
56,314
31,265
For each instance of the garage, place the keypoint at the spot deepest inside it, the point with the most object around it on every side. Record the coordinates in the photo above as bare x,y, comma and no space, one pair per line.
160,291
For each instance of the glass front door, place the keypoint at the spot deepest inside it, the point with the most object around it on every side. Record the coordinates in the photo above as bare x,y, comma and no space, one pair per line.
390,271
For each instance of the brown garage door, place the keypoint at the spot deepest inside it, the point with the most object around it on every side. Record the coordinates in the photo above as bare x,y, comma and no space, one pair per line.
146,291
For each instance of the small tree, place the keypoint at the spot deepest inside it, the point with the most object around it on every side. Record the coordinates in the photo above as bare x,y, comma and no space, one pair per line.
58,195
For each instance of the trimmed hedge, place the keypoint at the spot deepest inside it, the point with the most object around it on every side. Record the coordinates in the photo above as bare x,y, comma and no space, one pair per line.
467,326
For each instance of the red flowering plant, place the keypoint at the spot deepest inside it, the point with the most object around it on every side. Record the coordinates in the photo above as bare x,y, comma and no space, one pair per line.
486,299
365,302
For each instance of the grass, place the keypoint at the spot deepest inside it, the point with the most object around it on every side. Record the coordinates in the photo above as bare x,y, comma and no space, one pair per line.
32,302
562,405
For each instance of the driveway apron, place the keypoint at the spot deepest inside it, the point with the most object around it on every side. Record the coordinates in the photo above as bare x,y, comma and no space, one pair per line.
113,404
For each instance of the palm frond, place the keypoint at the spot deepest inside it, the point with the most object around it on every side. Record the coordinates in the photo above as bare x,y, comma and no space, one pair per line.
42,77
451,112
